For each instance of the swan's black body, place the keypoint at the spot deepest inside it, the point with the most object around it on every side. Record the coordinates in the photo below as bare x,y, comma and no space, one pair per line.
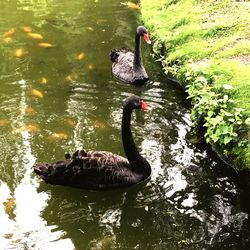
100,169
127,65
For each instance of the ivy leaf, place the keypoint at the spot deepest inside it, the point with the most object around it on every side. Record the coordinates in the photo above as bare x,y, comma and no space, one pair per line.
227,86
214,137
228,114
225,98
224,129
216,120
227,139
247,121
210,113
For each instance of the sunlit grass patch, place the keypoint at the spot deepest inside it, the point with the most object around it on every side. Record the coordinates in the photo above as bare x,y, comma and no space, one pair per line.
208,40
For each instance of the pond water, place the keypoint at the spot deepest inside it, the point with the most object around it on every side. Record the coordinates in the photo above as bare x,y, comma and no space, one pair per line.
60,96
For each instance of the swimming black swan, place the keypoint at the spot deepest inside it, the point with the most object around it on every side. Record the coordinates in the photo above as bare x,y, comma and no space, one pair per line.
127,66
101,169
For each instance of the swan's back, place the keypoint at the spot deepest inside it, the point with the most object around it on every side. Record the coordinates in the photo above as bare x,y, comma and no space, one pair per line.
89,170
122,66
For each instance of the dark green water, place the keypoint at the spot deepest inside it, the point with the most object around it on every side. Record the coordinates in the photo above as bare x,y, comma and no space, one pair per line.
189,203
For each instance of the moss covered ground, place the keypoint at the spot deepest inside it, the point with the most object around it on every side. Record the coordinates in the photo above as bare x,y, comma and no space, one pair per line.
205,45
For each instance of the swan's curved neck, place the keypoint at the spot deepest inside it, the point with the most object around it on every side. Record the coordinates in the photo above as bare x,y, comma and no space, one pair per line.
137,53
137,162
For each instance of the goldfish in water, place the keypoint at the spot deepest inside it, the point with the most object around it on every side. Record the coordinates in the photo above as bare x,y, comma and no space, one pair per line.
99,124
90,66
72,77
57,136
81,56
26,29
43,80
9,33
8,39
35,36
29,128
9,207
90,29
70,122
132,5
4,122
27,110
37,93
19,52
45,45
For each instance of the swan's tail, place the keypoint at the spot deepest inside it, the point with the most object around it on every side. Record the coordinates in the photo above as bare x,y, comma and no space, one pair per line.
51,173
42,169
61,172
114,54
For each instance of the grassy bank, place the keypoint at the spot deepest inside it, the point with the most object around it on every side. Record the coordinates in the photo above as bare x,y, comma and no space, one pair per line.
205,45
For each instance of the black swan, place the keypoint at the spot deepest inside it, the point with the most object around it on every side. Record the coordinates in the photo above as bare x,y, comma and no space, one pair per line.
127,66
101,169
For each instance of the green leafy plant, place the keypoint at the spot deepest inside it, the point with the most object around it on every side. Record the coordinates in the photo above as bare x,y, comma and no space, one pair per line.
204,44
223,122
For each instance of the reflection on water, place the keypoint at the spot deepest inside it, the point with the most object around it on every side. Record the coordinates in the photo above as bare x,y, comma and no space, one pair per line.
58,95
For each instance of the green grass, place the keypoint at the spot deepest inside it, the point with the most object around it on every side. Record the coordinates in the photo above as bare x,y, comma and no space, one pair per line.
198,39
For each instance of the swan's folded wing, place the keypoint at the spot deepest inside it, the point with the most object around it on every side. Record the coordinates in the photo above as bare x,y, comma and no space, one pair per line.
123,67
89,170
100,159
101,171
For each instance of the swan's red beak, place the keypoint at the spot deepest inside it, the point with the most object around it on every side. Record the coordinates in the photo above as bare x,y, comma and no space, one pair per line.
145,106
146,38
